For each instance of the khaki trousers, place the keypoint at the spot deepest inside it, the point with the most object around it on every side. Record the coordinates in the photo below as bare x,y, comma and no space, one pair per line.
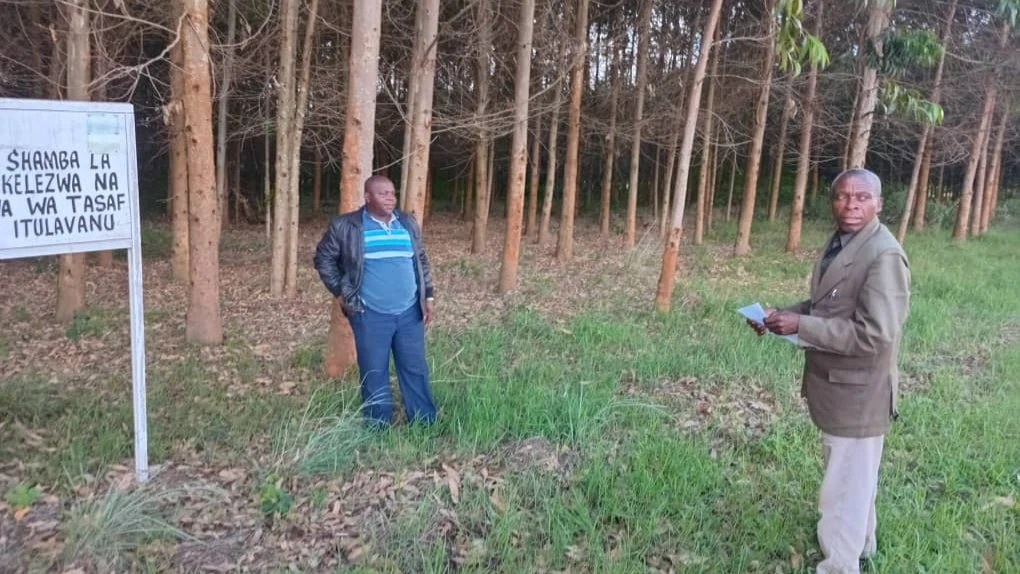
846,529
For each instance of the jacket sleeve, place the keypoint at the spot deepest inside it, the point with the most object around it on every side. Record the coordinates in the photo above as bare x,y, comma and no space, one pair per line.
878,320
327,259
423,259
800,308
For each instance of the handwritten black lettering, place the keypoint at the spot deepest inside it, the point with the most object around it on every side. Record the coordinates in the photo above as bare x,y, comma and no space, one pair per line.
26,184
104,161
56,226
42,160
5,208
106,182
44,206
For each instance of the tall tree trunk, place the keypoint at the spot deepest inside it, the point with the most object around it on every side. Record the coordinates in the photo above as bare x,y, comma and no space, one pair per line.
804,158
296,137
359,113
706,155
667,185
923,184
356,165
916,182
518,151
655,184
733,181
966,195
536,169
743,244
267,163
413,79
565,245
610,151
980,187
671,253
713,178
100,65
992,187
479,229
777,167
878,20
317,179
639,107
469,190
71,281
204,325
222,113
421,117
178,168
550,170
285,108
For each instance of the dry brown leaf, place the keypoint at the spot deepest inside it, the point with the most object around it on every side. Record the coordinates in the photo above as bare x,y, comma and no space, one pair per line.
20,513
453,482
987,561
231,474
1006,501
796,560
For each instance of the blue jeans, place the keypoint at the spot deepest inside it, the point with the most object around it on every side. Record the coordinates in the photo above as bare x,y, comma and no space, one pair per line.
375,335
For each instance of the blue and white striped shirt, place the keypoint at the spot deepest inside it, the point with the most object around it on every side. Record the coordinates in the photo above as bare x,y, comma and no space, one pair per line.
388,283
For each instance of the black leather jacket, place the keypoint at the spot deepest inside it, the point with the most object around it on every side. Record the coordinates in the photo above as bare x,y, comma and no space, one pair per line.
340,258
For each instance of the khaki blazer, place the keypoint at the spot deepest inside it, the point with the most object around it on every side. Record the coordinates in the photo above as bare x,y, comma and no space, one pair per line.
850,330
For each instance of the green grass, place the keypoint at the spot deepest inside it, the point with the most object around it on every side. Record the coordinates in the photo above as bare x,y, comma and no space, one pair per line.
643,489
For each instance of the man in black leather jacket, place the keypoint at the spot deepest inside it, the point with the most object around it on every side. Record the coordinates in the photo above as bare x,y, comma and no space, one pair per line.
372,260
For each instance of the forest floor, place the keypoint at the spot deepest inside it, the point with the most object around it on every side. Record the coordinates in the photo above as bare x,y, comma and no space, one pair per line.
579,431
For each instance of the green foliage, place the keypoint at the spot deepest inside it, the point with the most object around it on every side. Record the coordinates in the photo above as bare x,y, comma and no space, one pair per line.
1008,10
904,51
157,242
22,495
273,498
103,531
88,323
908,103
794,45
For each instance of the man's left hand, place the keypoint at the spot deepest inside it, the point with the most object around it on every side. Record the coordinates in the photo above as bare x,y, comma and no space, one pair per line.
429,312
783,322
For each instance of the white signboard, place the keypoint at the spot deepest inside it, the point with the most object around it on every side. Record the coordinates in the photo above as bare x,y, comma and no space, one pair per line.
68,183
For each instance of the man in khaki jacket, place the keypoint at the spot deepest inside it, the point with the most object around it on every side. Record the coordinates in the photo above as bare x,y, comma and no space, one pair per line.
850,331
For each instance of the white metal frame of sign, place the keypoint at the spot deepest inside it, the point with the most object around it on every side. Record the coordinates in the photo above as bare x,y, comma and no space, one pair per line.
31,132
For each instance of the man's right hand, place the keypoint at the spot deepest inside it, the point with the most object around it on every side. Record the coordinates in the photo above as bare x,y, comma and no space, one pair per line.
760,328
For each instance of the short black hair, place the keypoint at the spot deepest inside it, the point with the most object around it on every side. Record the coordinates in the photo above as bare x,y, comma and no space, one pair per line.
867,176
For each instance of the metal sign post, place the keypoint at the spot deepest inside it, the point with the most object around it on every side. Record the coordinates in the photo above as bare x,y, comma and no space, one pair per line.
69,184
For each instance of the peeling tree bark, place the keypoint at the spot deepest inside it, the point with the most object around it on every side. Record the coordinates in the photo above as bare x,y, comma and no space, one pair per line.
630,232
923,153
610,150
878,20
518,151
481,219
777,167
804,158
204,325
71,278
565,245
178,167
421,116
706,157
743,244
995,173
550,173
670,255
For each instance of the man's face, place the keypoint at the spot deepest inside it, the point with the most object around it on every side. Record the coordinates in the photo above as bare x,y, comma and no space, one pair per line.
381,197
854,204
